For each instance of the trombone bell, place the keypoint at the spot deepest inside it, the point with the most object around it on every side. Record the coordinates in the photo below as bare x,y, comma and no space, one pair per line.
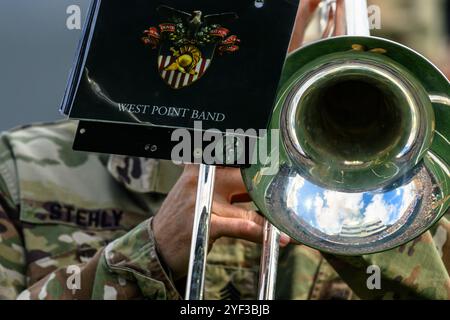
360,166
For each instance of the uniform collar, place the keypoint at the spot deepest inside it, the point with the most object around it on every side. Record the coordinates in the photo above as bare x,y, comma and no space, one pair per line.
143,175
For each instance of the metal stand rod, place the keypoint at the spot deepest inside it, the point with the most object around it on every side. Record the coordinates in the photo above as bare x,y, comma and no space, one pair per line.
357,18
200,234
269,262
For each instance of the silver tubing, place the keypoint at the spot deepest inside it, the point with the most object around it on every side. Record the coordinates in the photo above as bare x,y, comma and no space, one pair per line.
200,234
357,18
269,262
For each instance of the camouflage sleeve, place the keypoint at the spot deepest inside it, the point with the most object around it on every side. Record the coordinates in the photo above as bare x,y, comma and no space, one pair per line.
417,270
128,268
133,258
12,253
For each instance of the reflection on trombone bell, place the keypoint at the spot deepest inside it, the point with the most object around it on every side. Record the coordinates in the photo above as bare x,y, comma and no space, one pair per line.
358,127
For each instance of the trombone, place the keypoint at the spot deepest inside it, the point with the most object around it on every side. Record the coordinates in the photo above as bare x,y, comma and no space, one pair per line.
361,122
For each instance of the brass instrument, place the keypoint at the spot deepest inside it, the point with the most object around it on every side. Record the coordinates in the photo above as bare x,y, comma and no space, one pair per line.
364,156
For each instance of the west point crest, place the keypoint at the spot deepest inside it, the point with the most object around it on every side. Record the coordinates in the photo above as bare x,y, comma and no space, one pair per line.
188,42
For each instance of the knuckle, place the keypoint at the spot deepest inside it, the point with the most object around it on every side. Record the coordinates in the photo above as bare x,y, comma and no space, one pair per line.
215,230
259,219
247,215
251,216
254,217
190,180
247,227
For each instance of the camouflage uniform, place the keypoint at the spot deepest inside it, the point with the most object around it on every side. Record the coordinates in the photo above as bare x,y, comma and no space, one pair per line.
62,211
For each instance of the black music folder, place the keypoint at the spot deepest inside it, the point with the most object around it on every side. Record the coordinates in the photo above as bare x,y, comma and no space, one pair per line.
145,67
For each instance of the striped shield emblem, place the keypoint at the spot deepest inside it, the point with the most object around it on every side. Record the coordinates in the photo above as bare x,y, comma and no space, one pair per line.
177,79
187,43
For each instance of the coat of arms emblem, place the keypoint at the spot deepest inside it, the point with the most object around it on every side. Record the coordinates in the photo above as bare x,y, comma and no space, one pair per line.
188,42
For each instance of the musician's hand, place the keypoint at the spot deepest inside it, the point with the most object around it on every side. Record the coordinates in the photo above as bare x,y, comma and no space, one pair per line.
172,226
